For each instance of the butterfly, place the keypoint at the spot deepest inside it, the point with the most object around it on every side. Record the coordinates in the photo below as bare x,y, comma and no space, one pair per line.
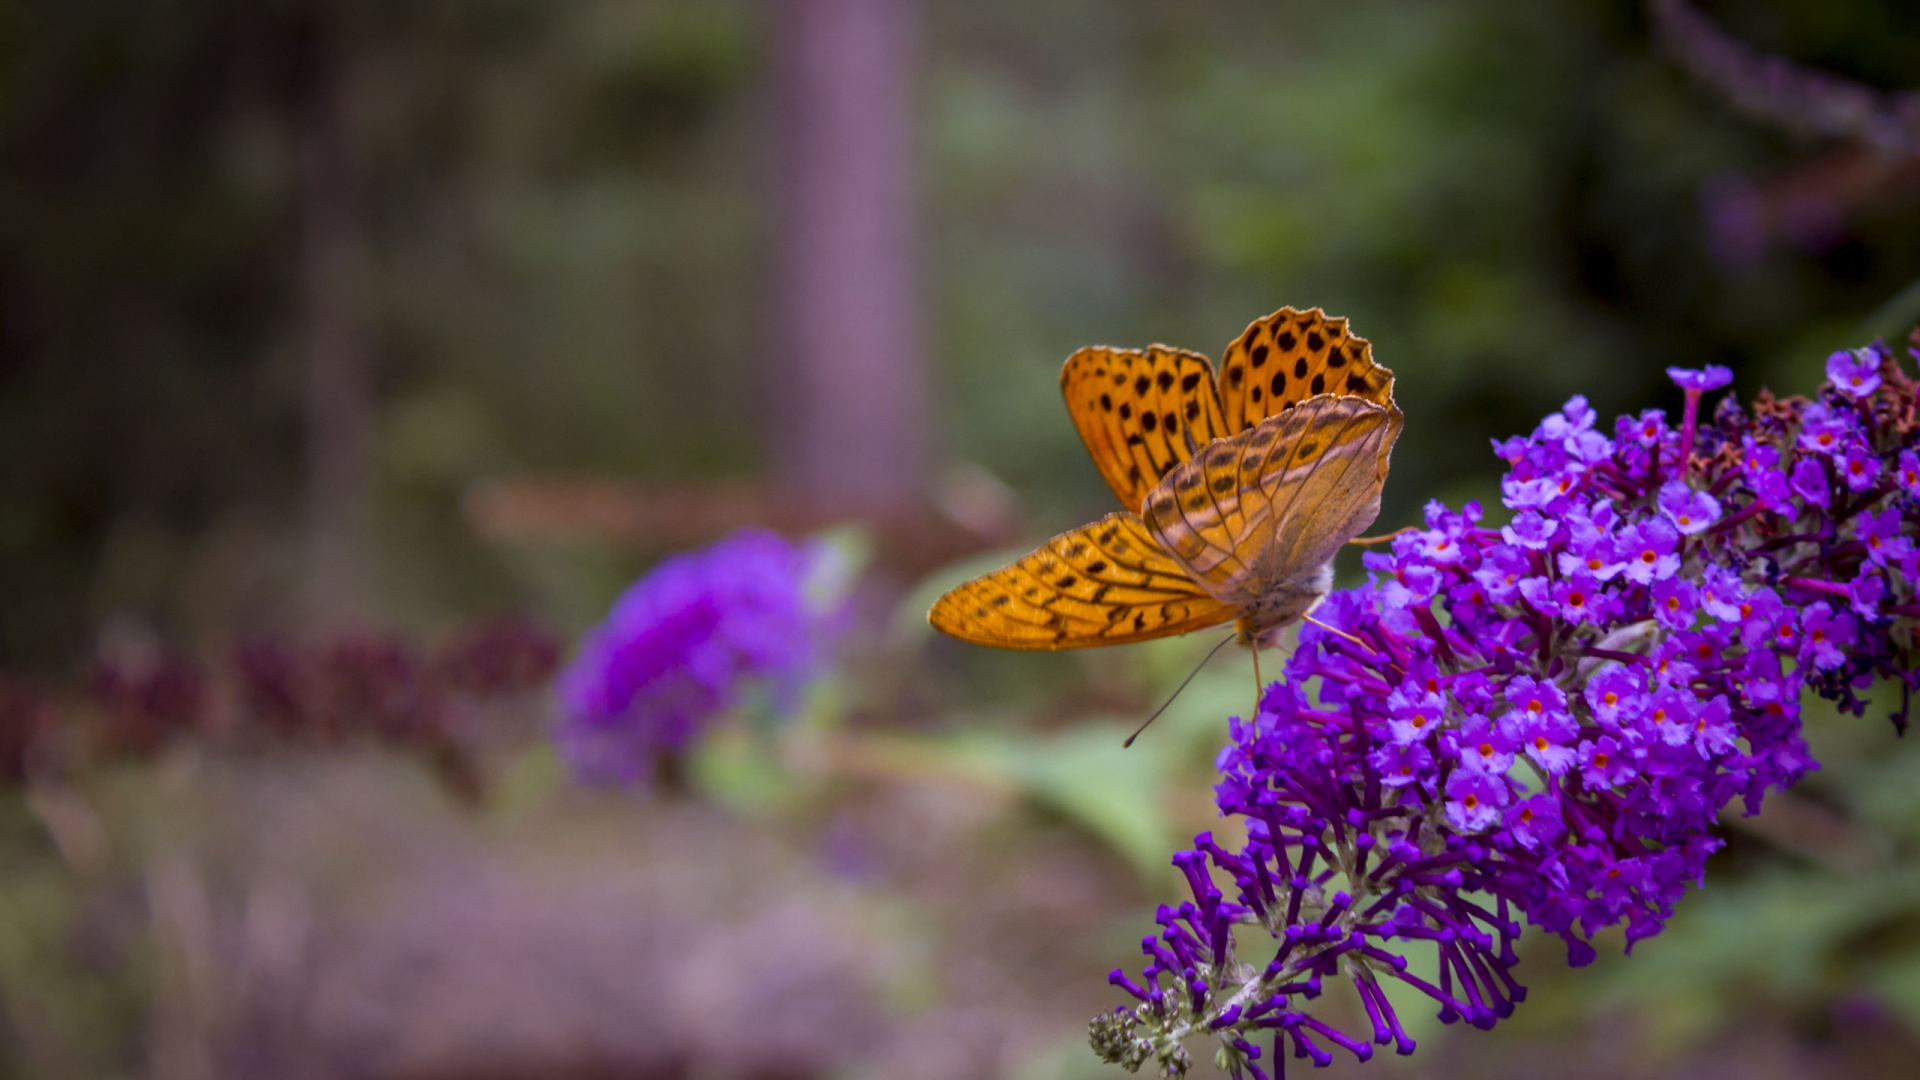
1238,492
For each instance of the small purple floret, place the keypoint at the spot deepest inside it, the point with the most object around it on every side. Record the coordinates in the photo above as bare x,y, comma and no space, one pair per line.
1855,372
1711,377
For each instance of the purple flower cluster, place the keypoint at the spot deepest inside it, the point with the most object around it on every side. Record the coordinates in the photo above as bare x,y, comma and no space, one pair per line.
680,646
1541,722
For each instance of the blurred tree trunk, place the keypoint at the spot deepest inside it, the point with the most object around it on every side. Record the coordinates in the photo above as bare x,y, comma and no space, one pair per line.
850,423
335,277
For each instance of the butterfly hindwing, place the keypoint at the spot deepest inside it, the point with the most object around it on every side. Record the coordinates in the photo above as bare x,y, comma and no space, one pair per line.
1141,412
1257,508
1100,584
1290,356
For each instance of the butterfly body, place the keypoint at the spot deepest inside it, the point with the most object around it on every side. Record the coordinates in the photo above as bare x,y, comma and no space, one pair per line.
1238,494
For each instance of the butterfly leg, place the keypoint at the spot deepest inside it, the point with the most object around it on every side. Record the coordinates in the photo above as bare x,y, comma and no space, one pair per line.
1363,541
1243,628
1258,686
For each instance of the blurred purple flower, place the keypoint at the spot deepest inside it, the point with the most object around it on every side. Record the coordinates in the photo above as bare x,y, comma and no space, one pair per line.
1387,812
681,645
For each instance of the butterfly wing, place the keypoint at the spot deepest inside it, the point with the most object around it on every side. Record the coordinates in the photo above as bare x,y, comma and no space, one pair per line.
1141,412
1271,505
1325,502
1101,584
1291,356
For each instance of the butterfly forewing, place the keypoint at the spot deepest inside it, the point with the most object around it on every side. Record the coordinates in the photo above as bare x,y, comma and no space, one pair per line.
1328,501
1141,412
1101,584
1291,356
1257,508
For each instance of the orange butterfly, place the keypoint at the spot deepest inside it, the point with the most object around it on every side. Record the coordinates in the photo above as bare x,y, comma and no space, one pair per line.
1237,495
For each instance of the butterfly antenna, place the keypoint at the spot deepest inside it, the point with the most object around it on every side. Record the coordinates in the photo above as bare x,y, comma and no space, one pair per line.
1382,538
1336,630
1176,692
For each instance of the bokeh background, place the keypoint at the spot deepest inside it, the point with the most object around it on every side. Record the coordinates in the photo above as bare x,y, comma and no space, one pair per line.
390,339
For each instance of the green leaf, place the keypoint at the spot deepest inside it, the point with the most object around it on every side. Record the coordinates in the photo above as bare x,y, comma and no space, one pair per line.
1086,775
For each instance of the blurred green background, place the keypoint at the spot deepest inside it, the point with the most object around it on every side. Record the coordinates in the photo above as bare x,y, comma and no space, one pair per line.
400,312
